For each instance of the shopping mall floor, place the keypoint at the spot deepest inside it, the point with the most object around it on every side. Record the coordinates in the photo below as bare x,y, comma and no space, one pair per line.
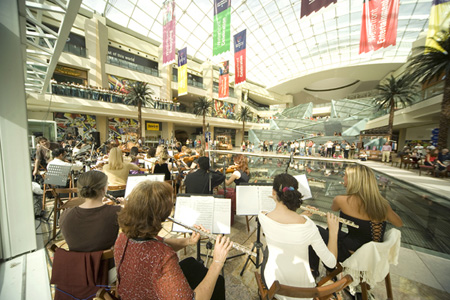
420,274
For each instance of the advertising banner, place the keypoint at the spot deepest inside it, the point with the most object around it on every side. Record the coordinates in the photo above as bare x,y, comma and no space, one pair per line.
169,37
439,19
222,19
379,25
182,72
240,62
224,80
310,6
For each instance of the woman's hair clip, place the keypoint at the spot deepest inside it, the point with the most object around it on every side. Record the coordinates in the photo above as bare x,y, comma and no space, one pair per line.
290,188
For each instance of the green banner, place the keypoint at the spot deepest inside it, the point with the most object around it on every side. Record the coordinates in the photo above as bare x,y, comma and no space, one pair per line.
221,36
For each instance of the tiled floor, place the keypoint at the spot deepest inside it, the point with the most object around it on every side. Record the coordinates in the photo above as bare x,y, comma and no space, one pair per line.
418,275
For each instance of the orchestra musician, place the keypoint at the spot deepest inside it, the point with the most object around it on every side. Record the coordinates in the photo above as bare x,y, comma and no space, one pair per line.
241,173
365,206
289,235
147,265
118,170
91,226
203,180
43,154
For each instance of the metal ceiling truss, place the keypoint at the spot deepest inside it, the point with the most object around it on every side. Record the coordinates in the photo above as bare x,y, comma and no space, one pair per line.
44,45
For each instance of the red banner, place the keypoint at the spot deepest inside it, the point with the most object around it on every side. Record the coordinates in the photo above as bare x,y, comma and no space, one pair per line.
379,25
169,36
224,80
310,6
240,57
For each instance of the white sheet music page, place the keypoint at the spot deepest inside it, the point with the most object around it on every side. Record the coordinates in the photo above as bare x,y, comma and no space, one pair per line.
266,202
247,200
303,186
222,216
185,212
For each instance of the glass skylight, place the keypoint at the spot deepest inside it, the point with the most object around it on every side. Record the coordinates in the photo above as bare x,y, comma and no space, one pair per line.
280,45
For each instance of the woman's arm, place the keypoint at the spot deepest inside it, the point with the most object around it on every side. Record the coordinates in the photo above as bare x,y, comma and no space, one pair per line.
333,228
393,218
205,289
231,179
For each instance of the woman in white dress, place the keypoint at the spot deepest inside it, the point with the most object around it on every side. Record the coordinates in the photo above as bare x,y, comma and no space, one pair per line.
289,235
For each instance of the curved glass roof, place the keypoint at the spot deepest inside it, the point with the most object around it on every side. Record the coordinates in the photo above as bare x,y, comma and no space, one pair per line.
280,45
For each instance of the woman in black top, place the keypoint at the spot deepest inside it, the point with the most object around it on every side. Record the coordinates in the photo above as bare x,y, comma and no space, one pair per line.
242,172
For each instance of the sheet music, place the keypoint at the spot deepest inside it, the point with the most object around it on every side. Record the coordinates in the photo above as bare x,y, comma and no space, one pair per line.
212,213
251,199
134,180
266,202
222,215
303,186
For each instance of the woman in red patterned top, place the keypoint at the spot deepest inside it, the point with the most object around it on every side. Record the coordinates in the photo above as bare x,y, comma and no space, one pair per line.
147,265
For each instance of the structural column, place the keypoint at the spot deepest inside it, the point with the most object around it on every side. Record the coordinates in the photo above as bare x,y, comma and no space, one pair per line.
96,34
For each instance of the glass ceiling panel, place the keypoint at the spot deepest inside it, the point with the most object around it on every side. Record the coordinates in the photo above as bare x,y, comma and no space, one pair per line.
332,33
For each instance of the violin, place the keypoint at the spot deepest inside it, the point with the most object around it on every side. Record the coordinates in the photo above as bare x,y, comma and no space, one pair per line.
230,169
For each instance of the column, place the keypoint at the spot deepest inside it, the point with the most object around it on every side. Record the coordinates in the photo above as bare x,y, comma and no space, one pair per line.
96,35
17,231
102,127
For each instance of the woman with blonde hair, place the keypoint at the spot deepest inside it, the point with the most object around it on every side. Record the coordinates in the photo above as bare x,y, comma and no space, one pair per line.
365,206
118,170
147,265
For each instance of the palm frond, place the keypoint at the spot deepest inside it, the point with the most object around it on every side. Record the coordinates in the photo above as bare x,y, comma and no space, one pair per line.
244,114
432,63
399,91
203,106
139,92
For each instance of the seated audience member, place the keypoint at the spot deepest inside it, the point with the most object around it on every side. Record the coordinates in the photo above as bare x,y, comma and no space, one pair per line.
242,173
43,154
147,265
92,226
442,159
289,235
363,155
118,170
430,157
203,180
364,205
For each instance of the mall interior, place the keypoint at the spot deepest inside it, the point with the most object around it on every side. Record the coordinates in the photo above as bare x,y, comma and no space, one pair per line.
66,64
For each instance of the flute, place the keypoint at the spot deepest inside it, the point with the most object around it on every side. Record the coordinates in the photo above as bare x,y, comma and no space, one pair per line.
213,237
324,214
112,198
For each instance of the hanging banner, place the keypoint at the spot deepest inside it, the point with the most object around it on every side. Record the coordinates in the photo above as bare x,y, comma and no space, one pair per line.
224,80
310,6
182,72
379,25
222,19
240,57
439,20
169,36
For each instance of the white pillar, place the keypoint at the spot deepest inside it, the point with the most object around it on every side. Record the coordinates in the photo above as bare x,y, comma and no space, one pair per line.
17,230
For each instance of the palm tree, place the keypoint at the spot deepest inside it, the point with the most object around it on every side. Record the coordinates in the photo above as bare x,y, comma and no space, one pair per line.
139,94
203,107
243,116
395,92
430,65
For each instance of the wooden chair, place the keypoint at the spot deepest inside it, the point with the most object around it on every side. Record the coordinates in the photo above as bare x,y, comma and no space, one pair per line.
102,272
426,168
405,160
62,202
319,292
392,239
103,294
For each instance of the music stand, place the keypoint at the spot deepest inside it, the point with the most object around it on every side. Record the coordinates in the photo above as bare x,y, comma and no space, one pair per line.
257,244
57,174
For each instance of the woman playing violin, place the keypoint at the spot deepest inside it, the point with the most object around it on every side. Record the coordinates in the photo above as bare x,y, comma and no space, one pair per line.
241,173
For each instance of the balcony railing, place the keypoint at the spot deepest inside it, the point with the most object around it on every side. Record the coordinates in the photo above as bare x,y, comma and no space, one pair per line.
131,66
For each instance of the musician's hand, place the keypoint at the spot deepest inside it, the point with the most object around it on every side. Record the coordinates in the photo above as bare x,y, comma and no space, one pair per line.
195,236
308,213
333,223
221,248
121,200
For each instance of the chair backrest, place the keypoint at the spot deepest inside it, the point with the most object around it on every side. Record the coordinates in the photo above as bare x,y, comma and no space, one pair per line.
319,292
103,294
370,263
